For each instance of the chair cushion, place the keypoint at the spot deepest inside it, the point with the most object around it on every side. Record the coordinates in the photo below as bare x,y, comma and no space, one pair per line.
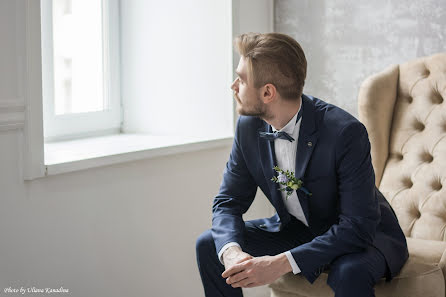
428,251
415,279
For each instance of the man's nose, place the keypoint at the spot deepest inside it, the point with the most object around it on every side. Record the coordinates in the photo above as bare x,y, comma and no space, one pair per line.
234,85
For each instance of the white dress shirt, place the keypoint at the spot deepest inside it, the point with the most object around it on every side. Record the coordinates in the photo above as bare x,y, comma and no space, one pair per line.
286,160
285,152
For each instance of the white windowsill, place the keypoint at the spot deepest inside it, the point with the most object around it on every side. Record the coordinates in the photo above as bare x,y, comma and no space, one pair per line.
80,154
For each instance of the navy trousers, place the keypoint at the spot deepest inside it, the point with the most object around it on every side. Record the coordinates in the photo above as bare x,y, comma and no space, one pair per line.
350,275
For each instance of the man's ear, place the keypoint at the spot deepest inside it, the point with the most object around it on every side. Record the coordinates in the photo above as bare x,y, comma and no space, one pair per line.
268,93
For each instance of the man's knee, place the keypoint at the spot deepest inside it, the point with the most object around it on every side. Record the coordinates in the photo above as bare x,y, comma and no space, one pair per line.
356,271
205,243
350,273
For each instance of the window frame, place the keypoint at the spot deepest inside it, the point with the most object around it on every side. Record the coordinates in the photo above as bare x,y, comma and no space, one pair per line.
80,125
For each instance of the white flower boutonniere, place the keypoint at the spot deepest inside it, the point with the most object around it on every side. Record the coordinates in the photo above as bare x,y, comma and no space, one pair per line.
289,181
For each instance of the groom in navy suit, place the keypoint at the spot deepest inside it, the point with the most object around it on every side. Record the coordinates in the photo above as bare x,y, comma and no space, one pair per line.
336,220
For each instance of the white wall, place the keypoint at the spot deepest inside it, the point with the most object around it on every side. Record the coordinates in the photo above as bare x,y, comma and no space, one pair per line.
111,231
123,230
345,41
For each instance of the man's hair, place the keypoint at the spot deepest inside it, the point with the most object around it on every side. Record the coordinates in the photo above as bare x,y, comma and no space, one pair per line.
274,58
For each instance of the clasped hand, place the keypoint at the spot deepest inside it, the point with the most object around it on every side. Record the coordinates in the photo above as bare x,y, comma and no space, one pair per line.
245,271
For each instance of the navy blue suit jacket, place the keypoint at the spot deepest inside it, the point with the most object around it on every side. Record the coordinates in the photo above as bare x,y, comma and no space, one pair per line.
346,212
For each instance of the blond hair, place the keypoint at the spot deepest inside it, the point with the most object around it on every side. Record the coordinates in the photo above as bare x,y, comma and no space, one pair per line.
274,58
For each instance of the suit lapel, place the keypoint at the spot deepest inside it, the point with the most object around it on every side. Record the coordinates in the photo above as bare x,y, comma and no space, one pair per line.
308,137
268,157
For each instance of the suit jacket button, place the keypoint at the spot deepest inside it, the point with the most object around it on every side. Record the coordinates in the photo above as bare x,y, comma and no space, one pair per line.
310,143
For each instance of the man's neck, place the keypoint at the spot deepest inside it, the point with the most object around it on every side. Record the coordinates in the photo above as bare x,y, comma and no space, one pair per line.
284,113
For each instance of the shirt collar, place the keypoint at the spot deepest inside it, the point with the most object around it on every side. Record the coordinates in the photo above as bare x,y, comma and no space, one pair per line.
289,127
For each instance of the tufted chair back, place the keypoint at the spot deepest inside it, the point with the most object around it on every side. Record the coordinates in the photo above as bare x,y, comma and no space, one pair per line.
404,111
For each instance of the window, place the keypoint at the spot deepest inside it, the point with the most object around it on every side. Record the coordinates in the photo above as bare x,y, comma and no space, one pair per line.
172,94
80,67
175,64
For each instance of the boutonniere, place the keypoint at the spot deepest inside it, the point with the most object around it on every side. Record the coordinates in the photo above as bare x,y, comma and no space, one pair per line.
289,181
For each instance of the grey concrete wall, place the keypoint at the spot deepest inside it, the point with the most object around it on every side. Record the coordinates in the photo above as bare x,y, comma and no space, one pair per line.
345,41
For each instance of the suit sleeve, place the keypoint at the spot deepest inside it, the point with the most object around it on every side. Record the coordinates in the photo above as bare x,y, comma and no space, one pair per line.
237,191
358,208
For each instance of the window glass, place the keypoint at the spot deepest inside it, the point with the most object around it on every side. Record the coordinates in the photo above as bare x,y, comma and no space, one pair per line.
78,56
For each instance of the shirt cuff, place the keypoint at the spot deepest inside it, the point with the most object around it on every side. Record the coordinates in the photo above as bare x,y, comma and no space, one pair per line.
293,263
224,248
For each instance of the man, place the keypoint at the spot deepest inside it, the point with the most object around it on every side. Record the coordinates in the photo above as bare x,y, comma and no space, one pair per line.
338,219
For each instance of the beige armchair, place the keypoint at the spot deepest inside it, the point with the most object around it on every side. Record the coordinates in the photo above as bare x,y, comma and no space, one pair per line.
404,111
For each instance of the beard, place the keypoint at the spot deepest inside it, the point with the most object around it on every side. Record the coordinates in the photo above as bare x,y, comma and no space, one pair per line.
256,109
